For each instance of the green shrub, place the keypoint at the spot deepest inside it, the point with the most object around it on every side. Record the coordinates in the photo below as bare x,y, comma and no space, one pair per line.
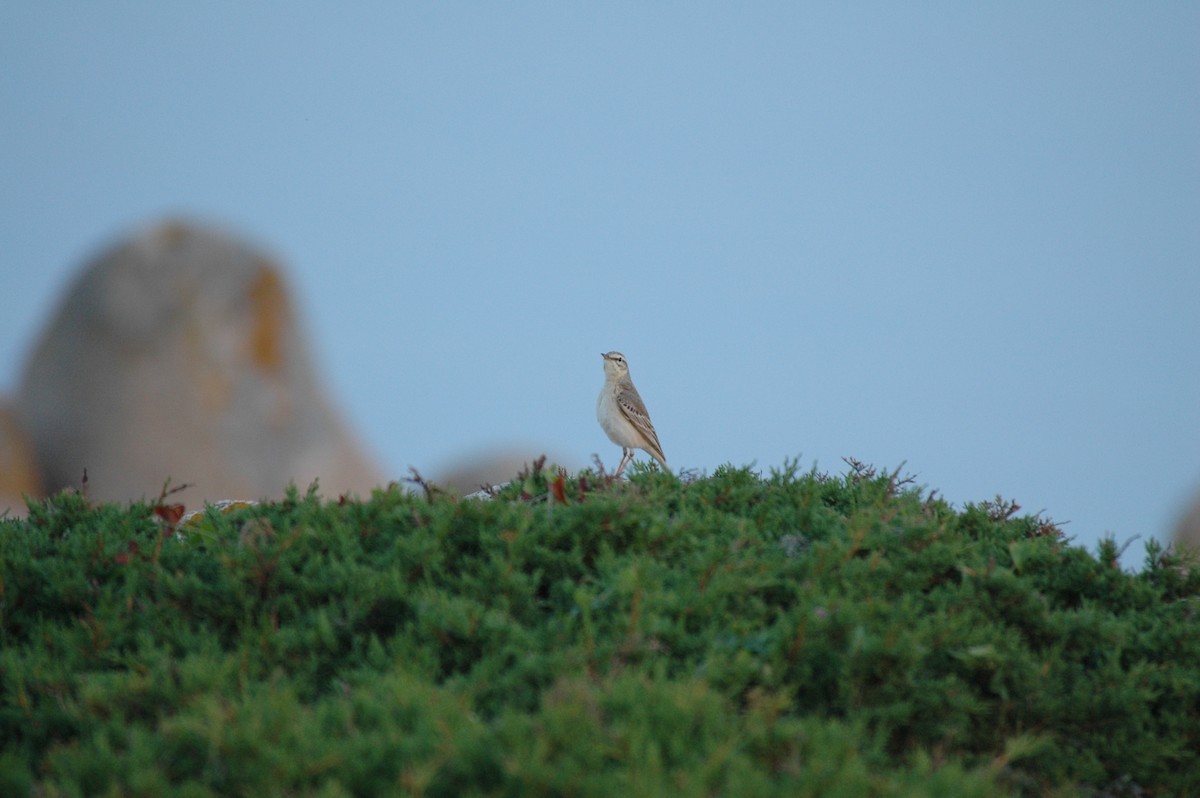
797,634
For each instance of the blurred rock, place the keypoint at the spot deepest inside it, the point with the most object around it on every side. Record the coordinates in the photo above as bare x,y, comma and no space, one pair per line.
488,469
18,469
177,354
1187,533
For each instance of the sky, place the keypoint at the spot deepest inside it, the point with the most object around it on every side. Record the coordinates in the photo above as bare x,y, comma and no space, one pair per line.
959,238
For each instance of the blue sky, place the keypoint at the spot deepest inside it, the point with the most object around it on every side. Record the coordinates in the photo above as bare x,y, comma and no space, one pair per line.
962,237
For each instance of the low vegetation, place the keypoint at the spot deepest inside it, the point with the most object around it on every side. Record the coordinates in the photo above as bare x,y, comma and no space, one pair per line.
737,634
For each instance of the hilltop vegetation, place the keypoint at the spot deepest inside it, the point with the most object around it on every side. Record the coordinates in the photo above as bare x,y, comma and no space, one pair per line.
789,634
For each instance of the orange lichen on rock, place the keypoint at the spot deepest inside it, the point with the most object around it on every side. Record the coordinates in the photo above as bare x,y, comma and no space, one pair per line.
270,313
18,468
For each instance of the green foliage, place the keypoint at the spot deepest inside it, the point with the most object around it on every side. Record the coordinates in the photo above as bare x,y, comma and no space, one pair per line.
795,634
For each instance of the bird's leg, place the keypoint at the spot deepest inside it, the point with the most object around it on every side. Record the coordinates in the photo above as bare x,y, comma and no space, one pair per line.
626,456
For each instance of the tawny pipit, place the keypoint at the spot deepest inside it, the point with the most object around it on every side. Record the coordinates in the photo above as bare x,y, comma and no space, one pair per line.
623,415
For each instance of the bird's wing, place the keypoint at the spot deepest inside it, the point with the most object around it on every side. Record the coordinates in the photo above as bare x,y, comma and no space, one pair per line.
635,410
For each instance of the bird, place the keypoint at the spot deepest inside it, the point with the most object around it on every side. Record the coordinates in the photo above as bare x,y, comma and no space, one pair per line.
623,415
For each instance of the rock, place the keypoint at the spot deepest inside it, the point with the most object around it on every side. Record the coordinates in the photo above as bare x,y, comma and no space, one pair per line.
177,355
487,469
18,469
1187,532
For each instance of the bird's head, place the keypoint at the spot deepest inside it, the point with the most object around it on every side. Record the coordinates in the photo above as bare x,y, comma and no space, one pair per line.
614,364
